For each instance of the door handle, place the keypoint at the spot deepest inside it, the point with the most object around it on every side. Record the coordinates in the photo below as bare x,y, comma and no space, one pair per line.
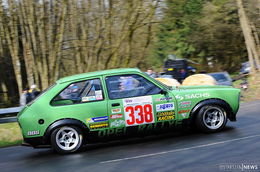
115,104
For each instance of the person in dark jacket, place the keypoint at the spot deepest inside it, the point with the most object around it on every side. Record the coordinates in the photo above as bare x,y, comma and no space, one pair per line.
26,97
33,91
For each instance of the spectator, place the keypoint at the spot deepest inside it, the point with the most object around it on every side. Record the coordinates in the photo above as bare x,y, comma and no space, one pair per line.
33,91
183,74
25,97
151,73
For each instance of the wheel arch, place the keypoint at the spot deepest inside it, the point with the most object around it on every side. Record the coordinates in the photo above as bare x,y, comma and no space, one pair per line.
64,122
222,103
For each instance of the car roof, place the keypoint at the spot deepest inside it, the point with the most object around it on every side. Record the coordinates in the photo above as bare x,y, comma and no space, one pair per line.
97,73
217,73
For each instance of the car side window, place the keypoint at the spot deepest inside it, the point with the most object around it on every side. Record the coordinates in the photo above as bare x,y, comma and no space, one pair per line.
79,92
124,86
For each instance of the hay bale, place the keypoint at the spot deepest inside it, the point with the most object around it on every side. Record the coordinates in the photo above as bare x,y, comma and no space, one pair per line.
199,79
168,81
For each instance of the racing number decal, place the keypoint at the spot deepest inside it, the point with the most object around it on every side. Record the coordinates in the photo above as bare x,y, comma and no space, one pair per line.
139,114
138,111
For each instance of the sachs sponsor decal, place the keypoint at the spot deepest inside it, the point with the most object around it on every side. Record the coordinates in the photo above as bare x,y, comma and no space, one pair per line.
192,96
98,125
164,107
116,116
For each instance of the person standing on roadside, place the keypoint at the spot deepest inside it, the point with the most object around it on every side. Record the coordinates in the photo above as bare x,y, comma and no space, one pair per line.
151,73
33,91
25,97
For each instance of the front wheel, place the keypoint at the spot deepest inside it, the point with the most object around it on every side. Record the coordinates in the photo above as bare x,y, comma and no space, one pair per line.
67,139
211,118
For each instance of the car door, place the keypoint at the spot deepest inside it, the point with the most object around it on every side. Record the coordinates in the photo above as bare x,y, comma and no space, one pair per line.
83,100
135,100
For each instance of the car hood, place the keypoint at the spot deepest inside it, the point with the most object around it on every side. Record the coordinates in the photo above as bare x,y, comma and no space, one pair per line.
200,87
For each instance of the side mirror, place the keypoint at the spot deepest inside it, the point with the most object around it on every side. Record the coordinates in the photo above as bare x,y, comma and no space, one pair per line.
163,92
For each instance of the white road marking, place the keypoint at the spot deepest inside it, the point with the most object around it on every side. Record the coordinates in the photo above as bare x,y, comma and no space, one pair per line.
182,149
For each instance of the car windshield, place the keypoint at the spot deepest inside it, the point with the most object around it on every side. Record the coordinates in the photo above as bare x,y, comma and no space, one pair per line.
220,77
160,83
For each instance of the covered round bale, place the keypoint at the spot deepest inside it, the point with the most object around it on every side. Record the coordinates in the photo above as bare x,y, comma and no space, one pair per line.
169,81
199,79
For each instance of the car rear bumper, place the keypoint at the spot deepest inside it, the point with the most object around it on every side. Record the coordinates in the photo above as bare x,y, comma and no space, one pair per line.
36,142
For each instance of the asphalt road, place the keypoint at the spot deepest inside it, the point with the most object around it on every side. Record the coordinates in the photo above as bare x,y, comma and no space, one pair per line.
237,148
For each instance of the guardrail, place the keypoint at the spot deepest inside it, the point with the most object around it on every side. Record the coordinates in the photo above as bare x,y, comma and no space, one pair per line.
9,114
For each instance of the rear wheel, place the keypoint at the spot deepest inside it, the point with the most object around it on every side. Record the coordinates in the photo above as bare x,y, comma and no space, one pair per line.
67,139
211,118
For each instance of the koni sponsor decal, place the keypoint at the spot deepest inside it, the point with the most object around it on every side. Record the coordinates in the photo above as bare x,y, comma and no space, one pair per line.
184,111
185,104
116,116
98,125
164,107
118,110
192,96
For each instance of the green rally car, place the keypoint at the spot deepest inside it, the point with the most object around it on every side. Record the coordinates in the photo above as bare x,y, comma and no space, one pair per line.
120,103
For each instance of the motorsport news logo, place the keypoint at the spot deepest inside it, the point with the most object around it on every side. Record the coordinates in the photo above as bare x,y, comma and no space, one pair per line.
239,167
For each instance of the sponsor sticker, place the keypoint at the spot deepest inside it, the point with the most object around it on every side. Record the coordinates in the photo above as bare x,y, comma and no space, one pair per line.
164,107
116,116
99,97
163,116
192,96
116,110
98,125
184,115
138,111
89,120
99,92
163,99
97,119
185,104
184,111
33,133
117,123
87,99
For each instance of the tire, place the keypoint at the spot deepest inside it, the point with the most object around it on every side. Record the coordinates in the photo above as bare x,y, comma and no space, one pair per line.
67,139
211,118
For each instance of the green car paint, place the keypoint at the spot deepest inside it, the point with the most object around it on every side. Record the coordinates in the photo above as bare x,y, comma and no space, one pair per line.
106,115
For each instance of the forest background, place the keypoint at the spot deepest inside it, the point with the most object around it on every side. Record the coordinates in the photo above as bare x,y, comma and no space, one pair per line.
44,40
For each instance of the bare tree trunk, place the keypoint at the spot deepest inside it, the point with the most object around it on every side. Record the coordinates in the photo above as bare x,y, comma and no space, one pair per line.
250,43
11,34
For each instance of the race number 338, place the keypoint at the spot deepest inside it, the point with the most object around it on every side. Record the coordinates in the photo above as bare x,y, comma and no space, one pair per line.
138,112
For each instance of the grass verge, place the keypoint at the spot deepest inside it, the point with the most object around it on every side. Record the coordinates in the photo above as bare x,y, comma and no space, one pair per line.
253,91
10,134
